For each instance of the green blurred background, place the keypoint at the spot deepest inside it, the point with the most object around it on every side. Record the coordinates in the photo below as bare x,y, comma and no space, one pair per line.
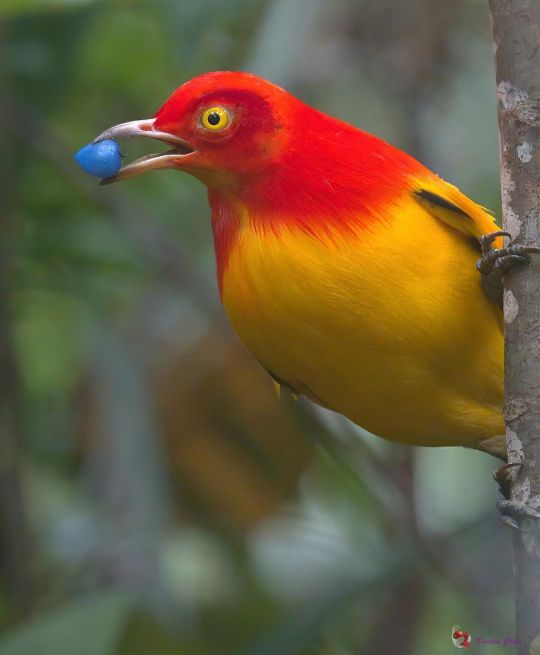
155,496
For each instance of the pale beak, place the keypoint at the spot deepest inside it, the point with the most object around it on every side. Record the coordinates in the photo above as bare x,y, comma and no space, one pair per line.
169,159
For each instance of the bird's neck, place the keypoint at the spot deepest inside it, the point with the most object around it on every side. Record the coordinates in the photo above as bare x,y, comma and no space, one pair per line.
329,169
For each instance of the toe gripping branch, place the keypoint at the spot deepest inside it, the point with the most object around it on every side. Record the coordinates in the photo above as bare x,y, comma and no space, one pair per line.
517,515
494,262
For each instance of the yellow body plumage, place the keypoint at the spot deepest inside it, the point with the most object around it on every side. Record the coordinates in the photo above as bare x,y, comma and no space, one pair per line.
389,326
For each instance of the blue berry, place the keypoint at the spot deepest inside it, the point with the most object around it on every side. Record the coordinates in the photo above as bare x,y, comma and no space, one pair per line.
101,159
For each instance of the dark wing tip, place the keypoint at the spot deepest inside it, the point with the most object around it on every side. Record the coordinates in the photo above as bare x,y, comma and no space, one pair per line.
437,200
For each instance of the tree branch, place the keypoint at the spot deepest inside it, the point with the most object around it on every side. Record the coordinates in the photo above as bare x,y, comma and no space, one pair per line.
516,34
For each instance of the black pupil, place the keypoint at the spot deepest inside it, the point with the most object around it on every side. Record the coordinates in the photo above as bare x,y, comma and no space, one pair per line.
214,118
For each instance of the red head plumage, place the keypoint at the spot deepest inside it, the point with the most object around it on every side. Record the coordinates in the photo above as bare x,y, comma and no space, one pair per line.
277,152
276,157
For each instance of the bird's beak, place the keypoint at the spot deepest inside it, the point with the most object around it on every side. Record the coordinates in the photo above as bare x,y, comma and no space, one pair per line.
169,159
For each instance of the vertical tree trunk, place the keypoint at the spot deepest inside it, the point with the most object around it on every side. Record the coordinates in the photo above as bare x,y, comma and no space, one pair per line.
516,34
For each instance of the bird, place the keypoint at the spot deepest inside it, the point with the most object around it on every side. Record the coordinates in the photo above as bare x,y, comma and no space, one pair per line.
355,275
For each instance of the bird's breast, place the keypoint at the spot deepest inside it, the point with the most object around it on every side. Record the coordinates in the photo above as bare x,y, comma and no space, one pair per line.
383,325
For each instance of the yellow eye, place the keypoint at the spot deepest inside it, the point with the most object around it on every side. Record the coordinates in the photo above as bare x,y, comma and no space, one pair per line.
215,118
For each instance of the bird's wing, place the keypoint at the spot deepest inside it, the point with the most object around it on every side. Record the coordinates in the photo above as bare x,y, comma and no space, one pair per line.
446,203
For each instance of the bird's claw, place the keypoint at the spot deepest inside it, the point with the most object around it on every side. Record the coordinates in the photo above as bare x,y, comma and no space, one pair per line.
505,476
503,258
494,262
486,240
518,516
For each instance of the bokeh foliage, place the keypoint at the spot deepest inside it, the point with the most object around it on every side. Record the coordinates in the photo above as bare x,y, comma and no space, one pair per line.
155,495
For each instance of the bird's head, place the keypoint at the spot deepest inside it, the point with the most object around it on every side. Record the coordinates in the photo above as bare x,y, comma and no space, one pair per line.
222,127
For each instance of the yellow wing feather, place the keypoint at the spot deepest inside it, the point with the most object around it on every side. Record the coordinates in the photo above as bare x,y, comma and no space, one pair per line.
449,205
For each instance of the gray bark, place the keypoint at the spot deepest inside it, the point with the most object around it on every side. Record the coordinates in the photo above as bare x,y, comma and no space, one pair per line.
516,34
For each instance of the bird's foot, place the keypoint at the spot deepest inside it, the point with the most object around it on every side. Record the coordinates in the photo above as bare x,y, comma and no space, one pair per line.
521,517
515,514
494,262
505,476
